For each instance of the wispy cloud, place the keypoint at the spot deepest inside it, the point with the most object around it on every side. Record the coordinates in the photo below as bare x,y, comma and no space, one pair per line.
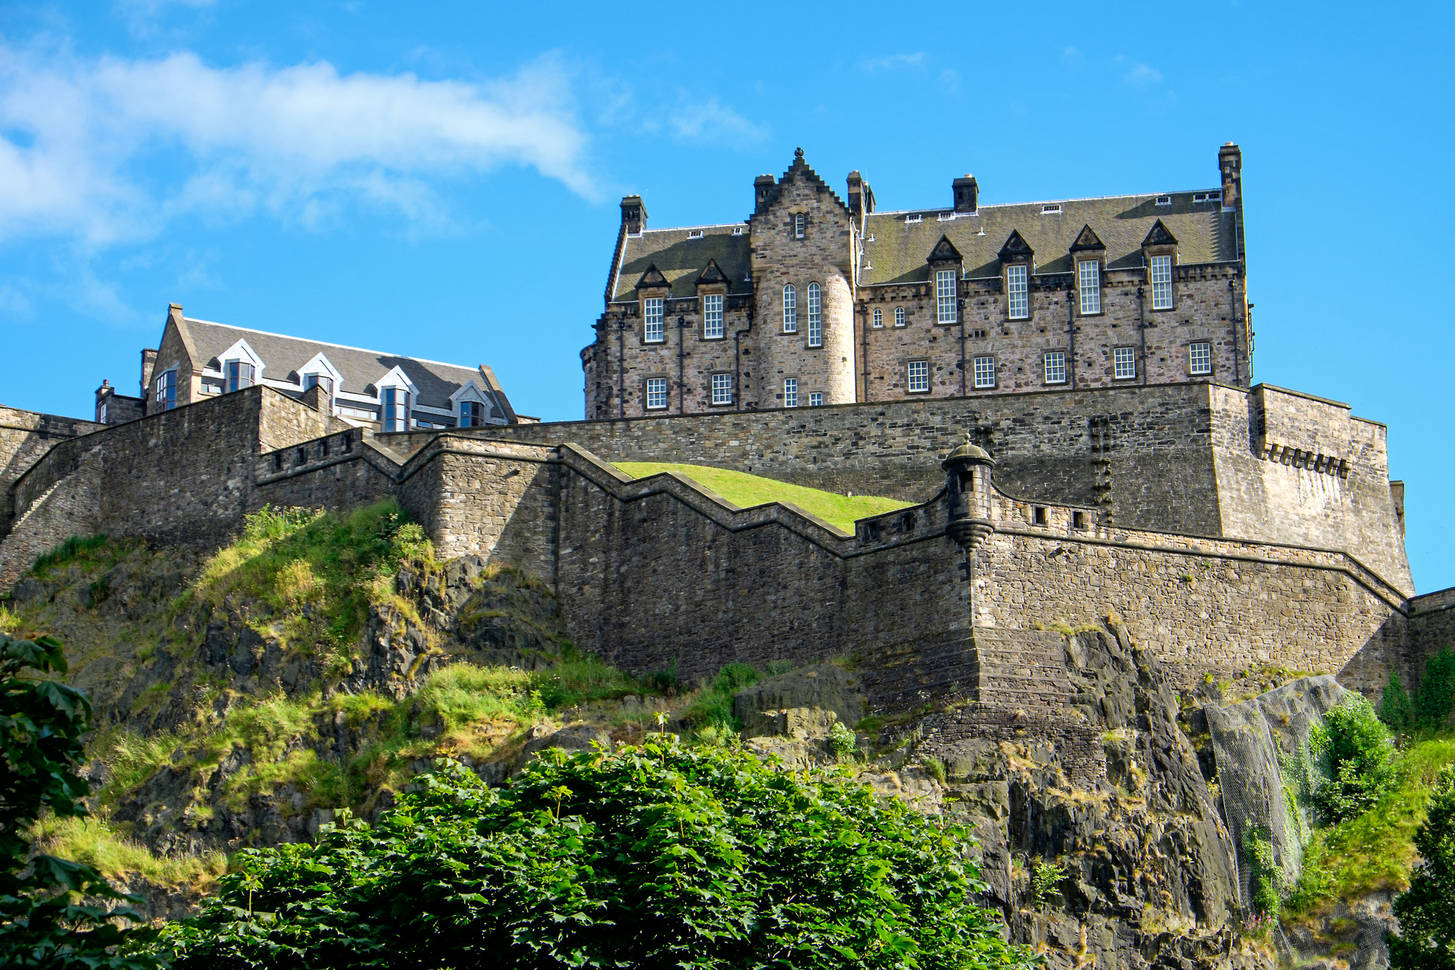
895,62
681,115
110,149
1137,73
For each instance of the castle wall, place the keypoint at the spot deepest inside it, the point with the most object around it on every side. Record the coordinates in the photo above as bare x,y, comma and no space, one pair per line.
337,471
1432,628
24,437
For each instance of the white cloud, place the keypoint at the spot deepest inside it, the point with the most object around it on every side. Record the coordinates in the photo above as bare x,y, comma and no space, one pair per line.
111,149
1138,74
894,62
695,120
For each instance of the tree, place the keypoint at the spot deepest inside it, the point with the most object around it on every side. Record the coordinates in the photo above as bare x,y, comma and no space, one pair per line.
654,856
1426,911
1355,752
1395,707
1435,695
54,913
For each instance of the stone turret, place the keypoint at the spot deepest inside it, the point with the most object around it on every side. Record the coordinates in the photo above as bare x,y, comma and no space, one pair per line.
967,494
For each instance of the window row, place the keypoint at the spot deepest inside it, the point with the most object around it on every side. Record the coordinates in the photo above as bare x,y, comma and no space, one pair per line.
719,386
877,318
790,394
1053,367
654,308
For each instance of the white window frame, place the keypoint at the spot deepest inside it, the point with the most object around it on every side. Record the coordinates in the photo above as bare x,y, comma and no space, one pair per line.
790,308
1053,366
983,369
815,399
877,318
1161,274
165,389
815,315
1124,363
1017,291
712,314
800,225
233,376
654,315
394,407
899,316
790,392
917,377
945,310
1193,354
1088,283
721,386
655,390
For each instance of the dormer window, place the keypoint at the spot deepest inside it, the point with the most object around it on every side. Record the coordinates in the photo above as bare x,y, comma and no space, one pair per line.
321,381
800,225
1088,278
166,390
945,295
1017,291
394,406
472,414
1161,273
712,328
238,374
652,314
790,309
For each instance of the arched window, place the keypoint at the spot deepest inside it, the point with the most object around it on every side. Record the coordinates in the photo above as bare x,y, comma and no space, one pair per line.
790,309
878,319
899,316
815,315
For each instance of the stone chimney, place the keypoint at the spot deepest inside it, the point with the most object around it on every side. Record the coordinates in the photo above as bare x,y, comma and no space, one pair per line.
763,193
104,393
861,197
148,362
1230,165
966,192
633,215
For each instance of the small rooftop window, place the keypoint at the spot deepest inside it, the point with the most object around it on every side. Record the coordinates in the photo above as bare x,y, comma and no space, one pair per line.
915,217
1050,208
694,234
1207,196
737,230
1164,200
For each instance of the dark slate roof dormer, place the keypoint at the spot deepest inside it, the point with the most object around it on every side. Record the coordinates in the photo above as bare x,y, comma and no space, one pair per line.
1159,236
1087,240
652,279
944,252
1016,248
711,274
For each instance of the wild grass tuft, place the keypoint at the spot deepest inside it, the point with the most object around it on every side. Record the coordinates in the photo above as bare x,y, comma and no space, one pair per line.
74,548
95,842
714,703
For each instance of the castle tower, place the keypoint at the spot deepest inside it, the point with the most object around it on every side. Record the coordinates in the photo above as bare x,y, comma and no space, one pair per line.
802,268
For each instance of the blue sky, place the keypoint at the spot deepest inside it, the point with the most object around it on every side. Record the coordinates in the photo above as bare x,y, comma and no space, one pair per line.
442,180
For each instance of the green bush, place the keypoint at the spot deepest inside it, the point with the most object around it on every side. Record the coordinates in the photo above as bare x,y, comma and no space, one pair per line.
1435,696
1426,912
658,856
1357,759
1395,708
842,740
1265,875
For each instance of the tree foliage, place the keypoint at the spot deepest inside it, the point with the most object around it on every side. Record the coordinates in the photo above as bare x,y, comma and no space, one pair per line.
1355,751
54,913
654,856
1426,911
1435,695
1396,709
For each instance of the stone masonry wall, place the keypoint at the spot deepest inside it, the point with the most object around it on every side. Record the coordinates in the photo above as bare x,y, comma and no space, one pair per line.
24,437
1432,628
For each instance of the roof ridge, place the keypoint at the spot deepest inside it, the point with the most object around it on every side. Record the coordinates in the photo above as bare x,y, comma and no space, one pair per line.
1008,205
329,343
709,225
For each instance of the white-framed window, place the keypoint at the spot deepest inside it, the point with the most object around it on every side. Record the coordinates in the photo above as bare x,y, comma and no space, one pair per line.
652,329
945,295
1199,357
166,390
878,319
1017,291
815,399
656,393
472,414
1124,363
790,392
1055,366
790,309
800,225
899,316
238,374
712,316
917,377
984,372
1088,274
815,315
1161,282
394,408
319,380
722,388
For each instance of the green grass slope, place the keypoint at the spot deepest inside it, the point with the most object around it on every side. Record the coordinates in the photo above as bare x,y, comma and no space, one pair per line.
746,490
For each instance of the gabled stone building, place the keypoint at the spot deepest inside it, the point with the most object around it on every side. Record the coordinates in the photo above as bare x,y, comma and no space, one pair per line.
817,299
198,359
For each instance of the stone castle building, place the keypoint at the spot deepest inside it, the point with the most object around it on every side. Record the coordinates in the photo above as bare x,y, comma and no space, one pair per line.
820,299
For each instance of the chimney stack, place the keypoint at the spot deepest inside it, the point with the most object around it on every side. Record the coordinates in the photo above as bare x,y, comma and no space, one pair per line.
1230,165
633,215
966,192
763,193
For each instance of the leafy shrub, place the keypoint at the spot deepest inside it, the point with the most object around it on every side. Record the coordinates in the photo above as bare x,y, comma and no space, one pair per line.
1435,696
1426,912
842,740
1395,707
1358,760
657,856
1045,877
1265,875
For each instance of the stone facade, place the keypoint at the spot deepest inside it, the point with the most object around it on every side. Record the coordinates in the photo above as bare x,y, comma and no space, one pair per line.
962,301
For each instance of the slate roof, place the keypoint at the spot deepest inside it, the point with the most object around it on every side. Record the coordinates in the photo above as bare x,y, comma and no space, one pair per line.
899,250
681,258
358,368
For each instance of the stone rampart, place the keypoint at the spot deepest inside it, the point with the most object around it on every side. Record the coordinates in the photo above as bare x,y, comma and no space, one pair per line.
24,437
1432,628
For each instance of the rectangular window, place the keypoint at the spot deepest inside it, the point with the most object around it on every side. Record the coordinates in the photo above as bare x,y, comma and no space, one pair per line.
800,223
652,330
722,388
984,372
167,390
472,414
945,295
1161,282
1017,291
394,408
790,392
1124,363
1089,276
815,315
239,373
815,399
712,316
656,393
1199,358
918,377
1055,361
